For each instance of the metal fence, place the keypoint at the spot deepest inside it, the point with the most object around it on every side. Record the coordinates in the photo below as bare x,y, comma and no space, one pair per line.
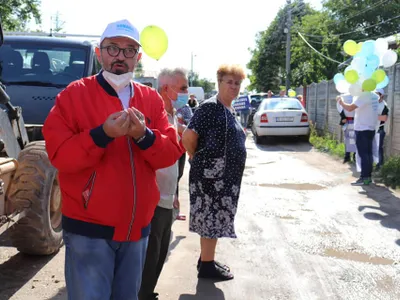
321,105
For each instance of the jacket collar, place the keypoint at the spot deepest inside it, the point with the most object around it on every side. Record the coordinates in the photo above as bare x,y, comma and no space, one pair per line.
105,85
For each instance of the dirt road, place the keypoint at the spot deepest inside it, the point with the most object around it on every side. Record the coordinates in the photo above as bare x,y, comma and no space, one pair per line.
303,233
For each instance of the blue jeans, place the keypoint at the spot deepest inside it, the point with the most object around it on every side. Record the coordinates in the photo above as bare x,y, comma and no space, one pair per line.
244,118
364,140
97,269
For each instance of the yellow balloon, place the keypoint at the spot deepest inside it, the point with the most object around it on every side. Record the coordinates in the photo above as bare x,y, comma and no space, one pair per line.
154,41
350,47
359,46
351,76
369,85
379,75
292,93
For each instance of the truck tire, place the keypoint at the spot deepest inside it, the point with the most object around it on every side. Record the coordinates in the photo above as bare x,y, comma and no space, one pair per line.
35,192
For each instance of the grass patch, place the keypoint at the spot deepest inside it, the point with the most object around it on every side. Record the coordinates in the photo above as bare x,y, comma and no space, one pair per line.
390,172
326,143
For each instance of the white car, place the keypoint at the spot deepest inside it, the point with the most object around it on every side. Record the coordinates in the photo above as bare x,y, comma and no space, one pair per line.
280,117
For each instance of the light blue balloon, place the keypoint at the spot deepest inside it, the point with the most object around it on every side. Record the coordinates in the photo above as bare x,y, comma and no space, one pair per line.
373,61
367,72
368,48
338,77
359,54
383,84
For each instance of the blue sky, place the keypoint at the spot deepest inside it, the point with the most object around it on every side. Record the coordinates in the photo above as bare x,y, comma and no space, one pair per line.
217,32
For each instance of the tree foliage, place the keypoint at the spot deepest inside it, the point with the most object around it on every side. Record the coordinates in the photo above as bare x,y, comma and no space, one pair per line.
326,31
15,14
139,71
207,85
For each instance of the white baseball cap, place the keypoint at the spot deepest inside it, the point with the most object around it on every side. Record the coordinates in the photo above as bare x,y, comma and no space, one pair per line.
122,28
380,91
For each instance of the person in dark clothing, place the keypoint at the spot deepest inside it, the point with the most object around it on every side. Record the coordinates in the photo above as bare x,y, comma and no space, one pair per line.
347,121
193,103
382,118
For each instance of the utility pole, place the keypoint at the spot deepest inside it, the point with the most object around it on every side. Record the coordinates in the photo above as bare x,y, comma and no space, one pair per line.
288,40
191,69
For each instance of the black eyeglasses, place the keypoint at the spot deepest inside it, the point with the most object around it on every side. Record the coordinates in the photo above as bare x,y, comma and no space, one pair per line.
114,51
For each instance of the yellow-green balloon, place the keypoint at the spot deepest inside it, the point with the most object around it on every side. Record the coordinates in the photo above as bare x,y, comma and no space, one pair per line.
292,93
369,85
359,46
379,76
350,47
351,76
154,41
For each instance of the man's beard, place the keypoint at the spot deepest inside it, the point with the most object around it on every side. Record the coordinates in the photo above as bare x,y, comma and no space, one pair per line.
119,71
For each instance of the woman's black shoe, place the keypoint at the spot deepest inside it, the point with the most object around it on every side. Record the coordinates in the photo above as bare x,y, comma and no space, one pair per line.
220,265
209,270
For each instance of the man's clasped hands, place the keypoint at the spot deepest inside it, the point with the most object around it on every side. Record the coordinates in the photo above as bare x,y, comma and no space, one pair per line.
127,122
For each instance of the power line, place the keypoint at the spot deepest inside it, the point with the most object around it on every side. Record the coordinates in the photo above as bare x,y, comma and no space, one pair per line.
368,8
323,55
357,30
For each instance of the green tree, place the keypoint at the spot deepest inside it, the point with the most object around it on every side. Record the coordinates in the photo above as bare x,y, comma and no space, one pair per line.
58,23
207,85
15,14
326,31
358,19
268,58
139,71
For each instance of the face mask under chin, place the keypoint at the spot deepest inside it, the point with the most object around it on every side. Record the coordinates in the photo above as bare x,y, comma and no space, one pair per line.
118,82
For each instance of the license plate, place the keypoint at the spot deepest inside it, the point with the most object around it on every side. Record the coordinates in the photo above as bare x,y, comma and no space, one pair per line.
284,119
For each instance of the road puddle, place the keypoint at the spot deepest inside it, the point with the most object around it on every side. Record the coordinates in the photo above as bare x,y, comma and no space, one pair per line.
360,257
295,186
287,218
249,167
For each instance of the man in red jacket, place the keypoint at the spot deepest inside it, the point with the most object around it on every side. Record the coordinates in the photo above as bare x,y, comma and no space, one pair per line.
107,135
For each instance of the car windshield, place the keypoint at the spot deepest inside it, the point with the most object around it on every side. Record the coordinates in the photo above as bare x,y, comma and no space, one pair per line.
256,100
46,65
282,104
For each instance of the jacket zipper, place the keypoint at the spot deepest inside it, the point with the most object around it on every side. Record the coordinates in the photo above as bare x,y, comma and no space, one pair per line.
134,188
88,190
132,170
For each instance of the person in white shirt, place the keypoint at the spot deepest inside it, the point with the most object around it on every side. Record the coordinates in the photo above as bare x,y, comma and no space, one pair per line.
365,126
173,88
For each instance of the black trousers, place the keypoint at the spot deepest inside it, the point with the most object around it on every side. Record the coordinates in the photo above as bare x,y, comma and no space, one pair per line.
157,251
181,168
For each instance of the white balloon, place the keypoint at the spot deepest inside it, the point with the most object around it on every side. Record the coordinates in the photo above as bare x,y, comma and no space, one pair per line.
381,46
389,58
343,86
355,89
359,63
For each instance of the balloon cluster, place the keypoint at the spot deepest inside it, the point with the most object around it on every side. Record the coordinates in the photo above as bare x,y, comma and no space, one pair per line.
292,93
154,41
364,73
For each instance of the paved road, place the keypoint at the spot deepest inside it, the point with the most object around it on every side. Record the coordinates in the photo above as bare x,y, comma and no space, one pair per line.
303,233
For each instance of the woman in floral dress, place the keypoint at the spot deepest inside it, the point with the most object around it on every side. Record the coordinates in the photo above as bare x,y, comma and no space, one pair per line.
215,141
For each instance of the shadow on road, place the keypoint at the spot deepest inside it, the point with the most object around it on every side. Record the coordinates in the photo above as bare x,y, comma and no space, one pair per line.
389,205
174,243
283,144
61,295
205,289
18,269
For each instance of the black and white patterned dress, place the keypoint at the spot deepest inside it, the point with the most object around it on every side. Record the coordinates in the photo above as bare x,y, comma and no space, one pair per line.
216,170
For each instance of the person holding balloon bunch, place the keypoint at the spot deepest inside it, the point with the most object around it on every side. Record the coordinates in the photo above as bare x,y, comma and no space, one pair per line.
360,79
